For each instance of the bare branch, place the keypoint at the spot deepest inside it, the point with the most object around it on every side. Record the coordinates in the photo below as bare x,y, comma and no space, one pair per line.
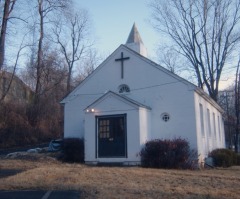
75,30
206,33
5,92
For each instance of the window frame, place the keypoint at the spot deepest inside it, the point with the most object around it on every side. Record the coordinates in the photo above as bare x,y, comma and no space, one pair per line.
123,88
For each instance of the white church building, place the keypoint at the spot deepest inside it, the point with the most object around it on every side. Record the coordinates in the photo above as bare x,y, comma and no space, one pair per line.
129,99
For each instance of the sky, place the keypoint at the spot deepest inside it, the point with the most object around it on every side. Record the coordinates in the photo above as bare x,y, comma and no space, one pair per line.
113,19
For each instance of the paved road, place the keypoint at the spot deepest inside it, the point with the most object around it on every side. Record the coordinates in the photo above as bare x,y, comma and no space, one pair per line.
39,195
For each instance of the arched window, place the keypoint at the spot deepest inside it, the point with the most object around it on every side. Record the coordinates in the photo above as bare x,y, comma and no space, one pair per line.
123,88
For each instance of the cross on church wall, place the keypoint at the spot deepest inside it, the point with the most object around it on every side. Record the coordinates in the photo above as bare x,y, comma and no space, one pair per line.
122,59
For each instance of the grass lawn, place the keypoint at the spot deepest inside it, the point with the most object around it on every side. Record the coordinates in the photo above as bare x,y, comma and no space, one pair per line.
118,182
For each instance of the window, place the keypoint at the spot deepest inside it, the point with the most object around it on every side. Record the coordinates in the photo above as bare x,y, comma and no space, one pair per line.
165,117
214,126
209,123
202,120
104,131
124,88
219,128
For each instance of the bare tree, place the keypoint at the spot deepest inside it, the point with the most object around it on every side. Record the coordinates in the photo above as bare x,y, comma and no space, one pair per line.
229,100
47,110
205,32
170,59
45,8
8,8
87,66
8,86
72,37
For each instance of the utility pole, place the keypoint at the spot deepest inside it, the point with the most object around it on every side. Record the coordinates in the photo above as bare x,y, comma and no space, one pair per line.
237,92
226,96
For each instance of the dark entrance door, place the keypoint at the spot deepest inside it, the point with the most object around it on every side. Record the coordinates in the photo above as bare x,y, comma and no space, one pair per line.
111,132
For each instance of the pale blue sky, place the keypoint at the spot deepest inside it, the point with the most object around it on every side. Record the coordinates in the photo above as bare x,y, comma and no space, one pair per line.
113,19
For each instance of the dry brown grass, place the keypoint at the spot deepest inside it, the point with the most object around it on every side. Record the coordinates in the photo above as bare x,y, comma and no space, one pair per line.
121,182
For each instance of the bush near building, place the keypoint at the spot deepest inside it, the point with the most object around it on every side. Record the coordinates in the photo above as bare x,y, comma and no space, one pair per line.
224,157
169,154
73,150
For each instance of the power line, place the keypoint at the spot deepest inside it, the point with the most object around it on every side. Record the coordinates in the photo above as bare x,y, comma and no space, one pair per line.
134,89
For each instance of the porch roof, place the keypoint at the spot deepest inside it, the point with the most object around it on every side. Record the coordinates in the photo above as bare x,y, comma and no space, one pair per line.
120,97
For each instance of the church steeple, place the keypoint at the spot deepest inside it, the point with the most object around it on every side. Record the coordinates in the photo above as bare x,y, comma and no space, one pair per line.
135,42
134,36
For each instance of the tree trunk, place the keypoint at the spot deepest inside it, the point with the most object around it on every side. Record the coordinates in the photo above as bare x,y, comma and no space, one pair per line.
35,112
69,82
3,31
40,54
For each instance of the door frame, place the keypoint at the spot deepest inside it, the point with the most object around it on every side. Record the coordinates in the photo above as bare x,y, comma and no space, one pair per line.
97,137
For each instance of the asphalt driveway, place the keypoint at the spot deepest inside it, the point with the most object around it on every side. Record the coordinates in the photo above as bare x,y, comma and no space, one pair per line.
39,194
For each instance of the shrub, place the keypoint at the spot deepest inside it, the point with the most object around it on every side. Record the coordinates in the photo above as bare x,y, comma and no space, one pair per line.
223,157
169,154
15,129
73,150
238,159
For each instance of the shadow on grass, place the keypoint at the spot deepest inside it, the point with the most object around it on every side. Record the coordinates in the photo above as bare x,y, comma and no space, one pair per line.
9,172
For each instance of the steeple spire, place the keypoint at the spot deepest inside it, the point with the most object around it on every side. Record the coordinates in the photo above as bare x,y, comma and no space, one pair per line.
135,42
134,36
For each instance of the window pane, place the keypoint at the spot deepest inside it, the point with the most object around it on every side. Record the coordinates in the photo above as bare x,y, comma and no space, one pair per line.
209,123
202,120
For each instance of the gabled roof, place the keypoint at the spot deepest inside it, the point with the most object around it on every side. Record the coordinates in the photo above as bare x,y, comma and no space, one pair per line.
123,98
153,64
198,90
134,36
